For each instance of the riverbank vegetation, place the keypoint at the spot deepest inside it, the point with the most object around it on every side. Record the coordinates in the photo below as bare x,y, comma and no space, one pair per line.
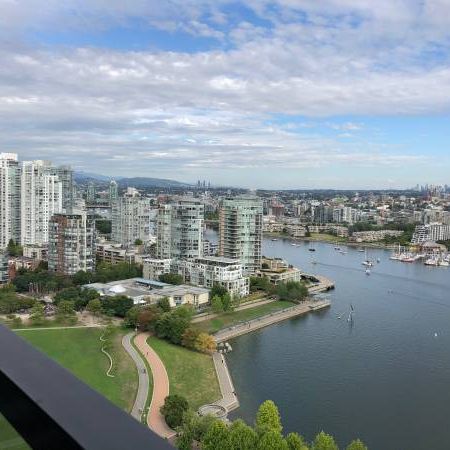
191,374
267,433
79,351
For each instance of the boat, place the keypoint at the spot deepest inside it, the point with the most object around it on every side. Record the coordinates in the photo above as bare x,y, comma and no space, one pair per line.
311,249
274,239
367,262
361,250
342,252
350,314
378,260
431,262
367,271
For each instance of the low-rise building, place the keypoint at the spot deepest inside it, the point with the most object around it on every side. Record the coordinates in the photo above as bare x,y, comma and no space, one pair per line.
276,270
374,236
37,252
154,268
114,253
209,270
143,291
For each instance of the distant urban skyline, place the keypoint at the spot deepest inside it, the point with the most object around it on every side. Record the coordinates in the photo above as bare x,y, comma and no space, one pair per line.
255,94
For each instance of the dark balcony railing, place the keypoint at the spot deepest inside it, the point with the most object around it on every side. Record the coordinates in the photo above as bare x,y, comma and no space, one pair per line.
52,409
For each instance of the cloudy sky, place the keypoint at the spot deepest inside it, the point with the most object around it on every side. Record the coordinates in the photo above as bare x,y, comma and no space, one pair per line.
276,94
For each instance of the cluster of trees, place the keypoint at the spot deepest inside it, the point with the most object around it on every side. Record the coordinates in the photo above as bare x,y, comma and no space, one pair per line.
446,243
80,297
14,249
171,278
103,226
11,303
174,325
267,433
42,281
293,291
221,300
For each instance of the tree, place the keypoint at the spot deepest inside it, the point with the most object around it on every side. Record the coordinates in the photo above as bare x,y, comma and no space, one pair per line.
242,436
194,428
356,445
272,440
147,317
226,302
171,326
103,226
324,441
296,442
189,338
164,304
37,314
14,249
65,308
218,290
217,437
138,242
293,291
268,418
171,278
205,343
216,304
261,284
94,306
173,409
119,304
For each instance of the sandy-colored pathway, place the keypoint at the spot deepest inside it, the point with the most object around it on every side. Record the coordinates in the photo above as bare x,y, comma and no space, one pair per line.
155,420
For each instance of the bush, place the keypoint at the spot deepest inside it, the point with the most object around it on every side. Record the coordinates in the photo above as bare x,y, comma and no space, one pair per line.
10,302
173,410
292,291
171,278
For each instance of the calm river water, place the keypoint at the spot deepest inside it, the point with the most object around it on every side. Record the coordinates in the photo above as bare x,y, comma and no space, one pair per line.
385,379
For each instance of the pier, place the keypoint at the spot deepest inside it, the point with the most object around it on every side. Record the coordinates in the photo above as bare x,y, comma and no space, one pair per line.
319,283
269,319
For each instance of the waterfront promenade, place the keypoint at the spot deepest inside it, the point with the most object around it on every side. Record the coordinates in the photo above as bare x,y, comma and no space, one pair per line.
269,319
229,399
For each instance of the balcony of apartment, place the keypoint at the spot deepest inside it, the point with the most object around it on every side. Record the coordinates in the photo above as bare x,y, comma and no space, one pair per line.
51,409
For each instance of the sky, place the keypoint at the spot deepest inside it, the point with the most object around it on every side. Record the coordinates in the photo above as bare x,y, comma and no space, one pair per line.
279,94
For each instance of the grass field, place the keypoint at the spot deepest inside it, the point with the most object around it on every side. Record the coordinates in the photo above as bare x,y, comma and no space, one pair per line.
78,350
191,374
227,319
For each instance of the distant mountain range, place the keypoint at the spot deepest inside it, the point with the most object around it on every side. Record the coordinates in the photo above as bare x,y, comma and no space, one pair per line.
137,182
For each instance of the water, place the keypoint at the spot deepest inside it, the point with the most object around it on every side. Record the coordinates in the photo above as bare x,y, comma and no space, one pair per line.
384,379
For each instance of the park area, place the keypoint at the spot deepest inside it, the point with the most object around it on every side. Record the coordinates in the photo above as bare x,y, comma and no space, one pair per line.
191,374
79,350
228,319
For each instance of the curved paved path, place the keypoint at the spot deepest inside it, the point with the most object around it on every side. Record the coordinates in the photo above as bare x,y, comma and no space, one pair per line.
144,381
155,420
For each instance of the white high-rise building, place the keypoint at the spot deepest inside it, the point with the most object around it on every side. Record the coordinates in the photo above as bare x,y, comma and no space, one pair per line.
240,231
9,199
71,246
180,229
41,196
130,218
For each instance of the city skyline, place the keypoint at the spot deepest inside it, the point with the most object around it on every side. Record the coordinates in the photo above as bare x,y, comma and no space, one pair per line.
260,95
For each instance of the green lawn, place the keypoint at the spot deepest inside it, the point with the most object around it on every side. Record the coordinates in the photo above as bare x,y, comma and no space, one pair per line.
78,350
227,319
9,438
191,374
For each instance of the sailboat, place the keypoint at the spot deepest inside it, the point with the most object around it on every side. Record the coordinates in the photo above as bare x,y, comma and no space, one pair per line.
366,261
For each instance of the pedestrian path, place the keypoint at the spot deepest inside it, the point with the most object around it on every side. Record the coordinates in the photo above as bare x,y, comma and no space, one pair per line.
144,380
155,419
229,399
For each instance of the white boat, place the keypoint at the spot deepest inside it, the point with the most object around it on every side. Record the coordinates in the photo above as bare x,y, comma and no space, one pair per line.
367,271
274,239
431,262
367,262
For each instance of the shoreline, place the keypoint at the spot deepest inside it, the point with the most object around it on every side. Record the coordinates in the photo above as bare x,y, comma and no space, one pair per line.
327,241
230,400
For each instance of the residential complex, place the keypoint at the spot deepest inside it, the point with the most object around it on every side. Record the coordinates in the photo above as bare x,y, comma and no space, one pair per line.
180,229
207,271
130,218
41,196
431,232
9,199
276,270
240,231
71,246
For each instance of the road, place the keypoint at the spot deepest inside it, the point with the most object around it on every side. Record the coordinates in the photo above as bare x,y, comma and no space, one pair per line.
155,420
144,381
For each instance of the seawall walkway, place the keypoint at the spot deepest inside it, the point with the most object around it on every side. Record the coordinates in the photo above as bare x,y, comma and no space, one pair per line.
269,319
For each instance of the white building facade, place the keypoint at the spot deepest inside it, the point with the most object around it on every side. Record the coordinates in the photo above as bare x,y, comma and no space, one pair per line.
207,271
